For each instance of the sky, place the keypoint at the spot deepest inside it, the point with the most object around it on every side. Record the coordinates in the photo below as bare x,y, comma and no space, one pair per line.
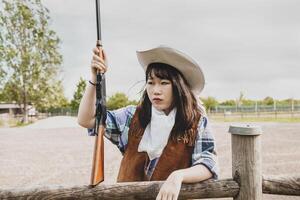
250,46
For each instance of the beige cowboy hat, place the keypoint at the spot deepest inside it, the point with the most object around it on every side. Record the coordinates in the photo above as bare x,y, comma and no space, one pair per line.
186,65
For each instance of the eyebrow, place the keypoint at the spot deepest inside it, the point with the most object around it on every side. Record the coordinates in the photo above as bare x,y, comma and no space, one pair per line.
150,76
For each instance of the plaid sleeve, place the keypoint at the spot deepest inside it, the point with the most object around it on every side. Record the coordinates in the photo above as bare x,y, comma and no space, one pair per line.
117,126
205,148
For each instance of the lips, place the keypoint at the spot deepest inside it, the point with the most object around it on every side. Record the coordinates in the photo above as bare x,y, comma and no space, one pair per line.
157,100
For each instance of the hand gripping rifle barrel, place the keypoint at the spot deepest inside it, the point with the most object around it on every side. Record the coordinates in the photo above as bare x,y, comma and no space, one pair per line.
97,175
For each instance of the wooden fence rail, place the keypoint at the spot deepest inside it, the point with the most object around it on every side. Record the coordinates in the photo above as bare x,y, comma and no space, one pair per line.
130,191
149,190
248,183
281,185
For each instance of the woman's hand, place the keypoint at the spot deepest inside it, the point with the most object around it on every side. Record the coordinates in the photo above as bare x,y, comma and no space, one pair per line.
98,62
171,187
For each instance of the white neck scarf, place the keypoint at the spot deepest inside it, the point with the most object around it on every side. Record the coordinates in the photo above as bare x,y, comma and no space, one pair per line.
157,133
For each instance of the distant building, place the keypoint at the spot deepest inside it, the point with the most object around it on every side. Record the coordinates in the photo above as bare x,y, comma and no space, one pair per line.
13,109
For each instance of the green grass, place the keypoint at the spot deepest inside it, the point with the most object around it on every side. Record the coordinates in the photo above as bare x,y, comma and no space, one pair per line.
17,123
20,124
14,123
257,119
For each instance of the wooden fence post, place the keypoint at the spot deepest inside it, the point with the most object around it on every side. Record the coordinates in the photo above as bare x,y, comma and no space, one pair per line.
246,161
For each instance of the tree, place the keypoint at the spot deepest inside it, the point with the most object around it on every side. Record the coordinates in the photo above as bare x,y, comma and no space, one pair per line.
29,57
248,102
268,101
209,103
228,103
119,100
78,94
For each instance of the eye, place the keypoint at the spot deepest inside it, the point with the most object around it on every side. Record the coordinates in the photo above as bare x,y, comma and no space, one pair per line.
149,82
165,82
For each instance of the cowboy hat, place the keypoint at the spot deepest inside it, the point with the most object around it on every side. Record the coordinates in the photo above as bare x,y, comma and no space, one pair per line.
186,65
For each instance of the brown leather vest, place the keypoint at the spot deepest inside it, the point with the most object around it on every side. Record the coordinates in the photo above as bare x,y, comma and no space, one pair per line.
176,155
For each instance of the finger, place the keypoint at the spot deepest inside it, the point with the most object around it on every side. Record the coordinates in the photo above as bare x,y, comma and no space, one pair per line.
164,196
158,197
99,69
100,52
104,54
168,196
98,59
175,196
96,51
99,66
171,197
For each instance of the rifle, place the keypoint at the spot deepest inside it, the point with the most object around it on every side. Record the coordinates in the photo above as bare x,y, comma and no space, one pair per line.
97,175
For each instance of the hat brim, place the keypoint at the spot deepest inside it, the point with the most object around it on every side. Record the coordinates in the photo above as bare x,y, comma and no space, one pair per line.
191,71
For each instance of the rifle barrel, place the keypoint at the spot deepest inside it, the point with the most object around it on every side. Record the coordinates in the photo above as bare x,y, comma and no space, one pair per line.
98,20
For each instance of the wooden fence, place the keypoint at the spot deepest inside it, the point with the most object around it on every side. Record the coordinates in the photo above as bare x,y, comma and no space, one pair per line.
247,183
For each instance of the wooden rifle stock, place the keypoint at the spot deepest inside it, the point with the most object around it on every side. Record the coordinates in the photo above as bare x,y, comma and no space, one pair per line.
97,175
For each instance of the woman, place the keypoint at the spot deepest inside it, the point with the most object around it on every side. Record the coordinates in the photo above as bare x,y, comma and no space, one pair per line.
166,136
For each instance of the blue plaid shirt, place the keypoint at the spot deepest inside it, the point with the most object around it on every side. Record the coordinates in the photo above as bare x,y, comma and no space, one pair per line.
117,126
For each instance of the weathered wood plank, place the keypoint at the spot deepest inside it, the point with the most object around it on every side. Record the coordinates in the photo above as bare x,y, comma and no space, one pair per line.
245,130
246,161
130,191
281,185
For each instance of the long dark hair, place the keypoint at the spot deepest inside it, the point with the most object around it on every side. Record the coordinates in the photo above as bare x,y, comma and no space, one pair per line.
187,115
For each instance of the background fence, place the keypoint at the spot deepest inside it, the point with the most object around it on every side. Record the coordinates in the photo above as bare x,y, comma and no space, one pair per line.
217,112
255,111
255,108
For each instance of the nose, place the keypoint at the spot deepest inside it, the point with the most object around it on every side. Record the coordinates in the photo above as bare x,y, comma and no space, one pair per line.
156,90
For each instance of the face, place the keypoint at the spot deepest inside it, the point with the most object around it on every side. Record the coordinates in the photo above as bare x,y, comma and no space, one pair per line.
160,93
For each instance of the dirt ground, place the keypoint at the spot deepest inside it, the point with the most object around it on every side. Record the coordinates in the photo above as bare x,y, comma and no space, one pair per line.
57,152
